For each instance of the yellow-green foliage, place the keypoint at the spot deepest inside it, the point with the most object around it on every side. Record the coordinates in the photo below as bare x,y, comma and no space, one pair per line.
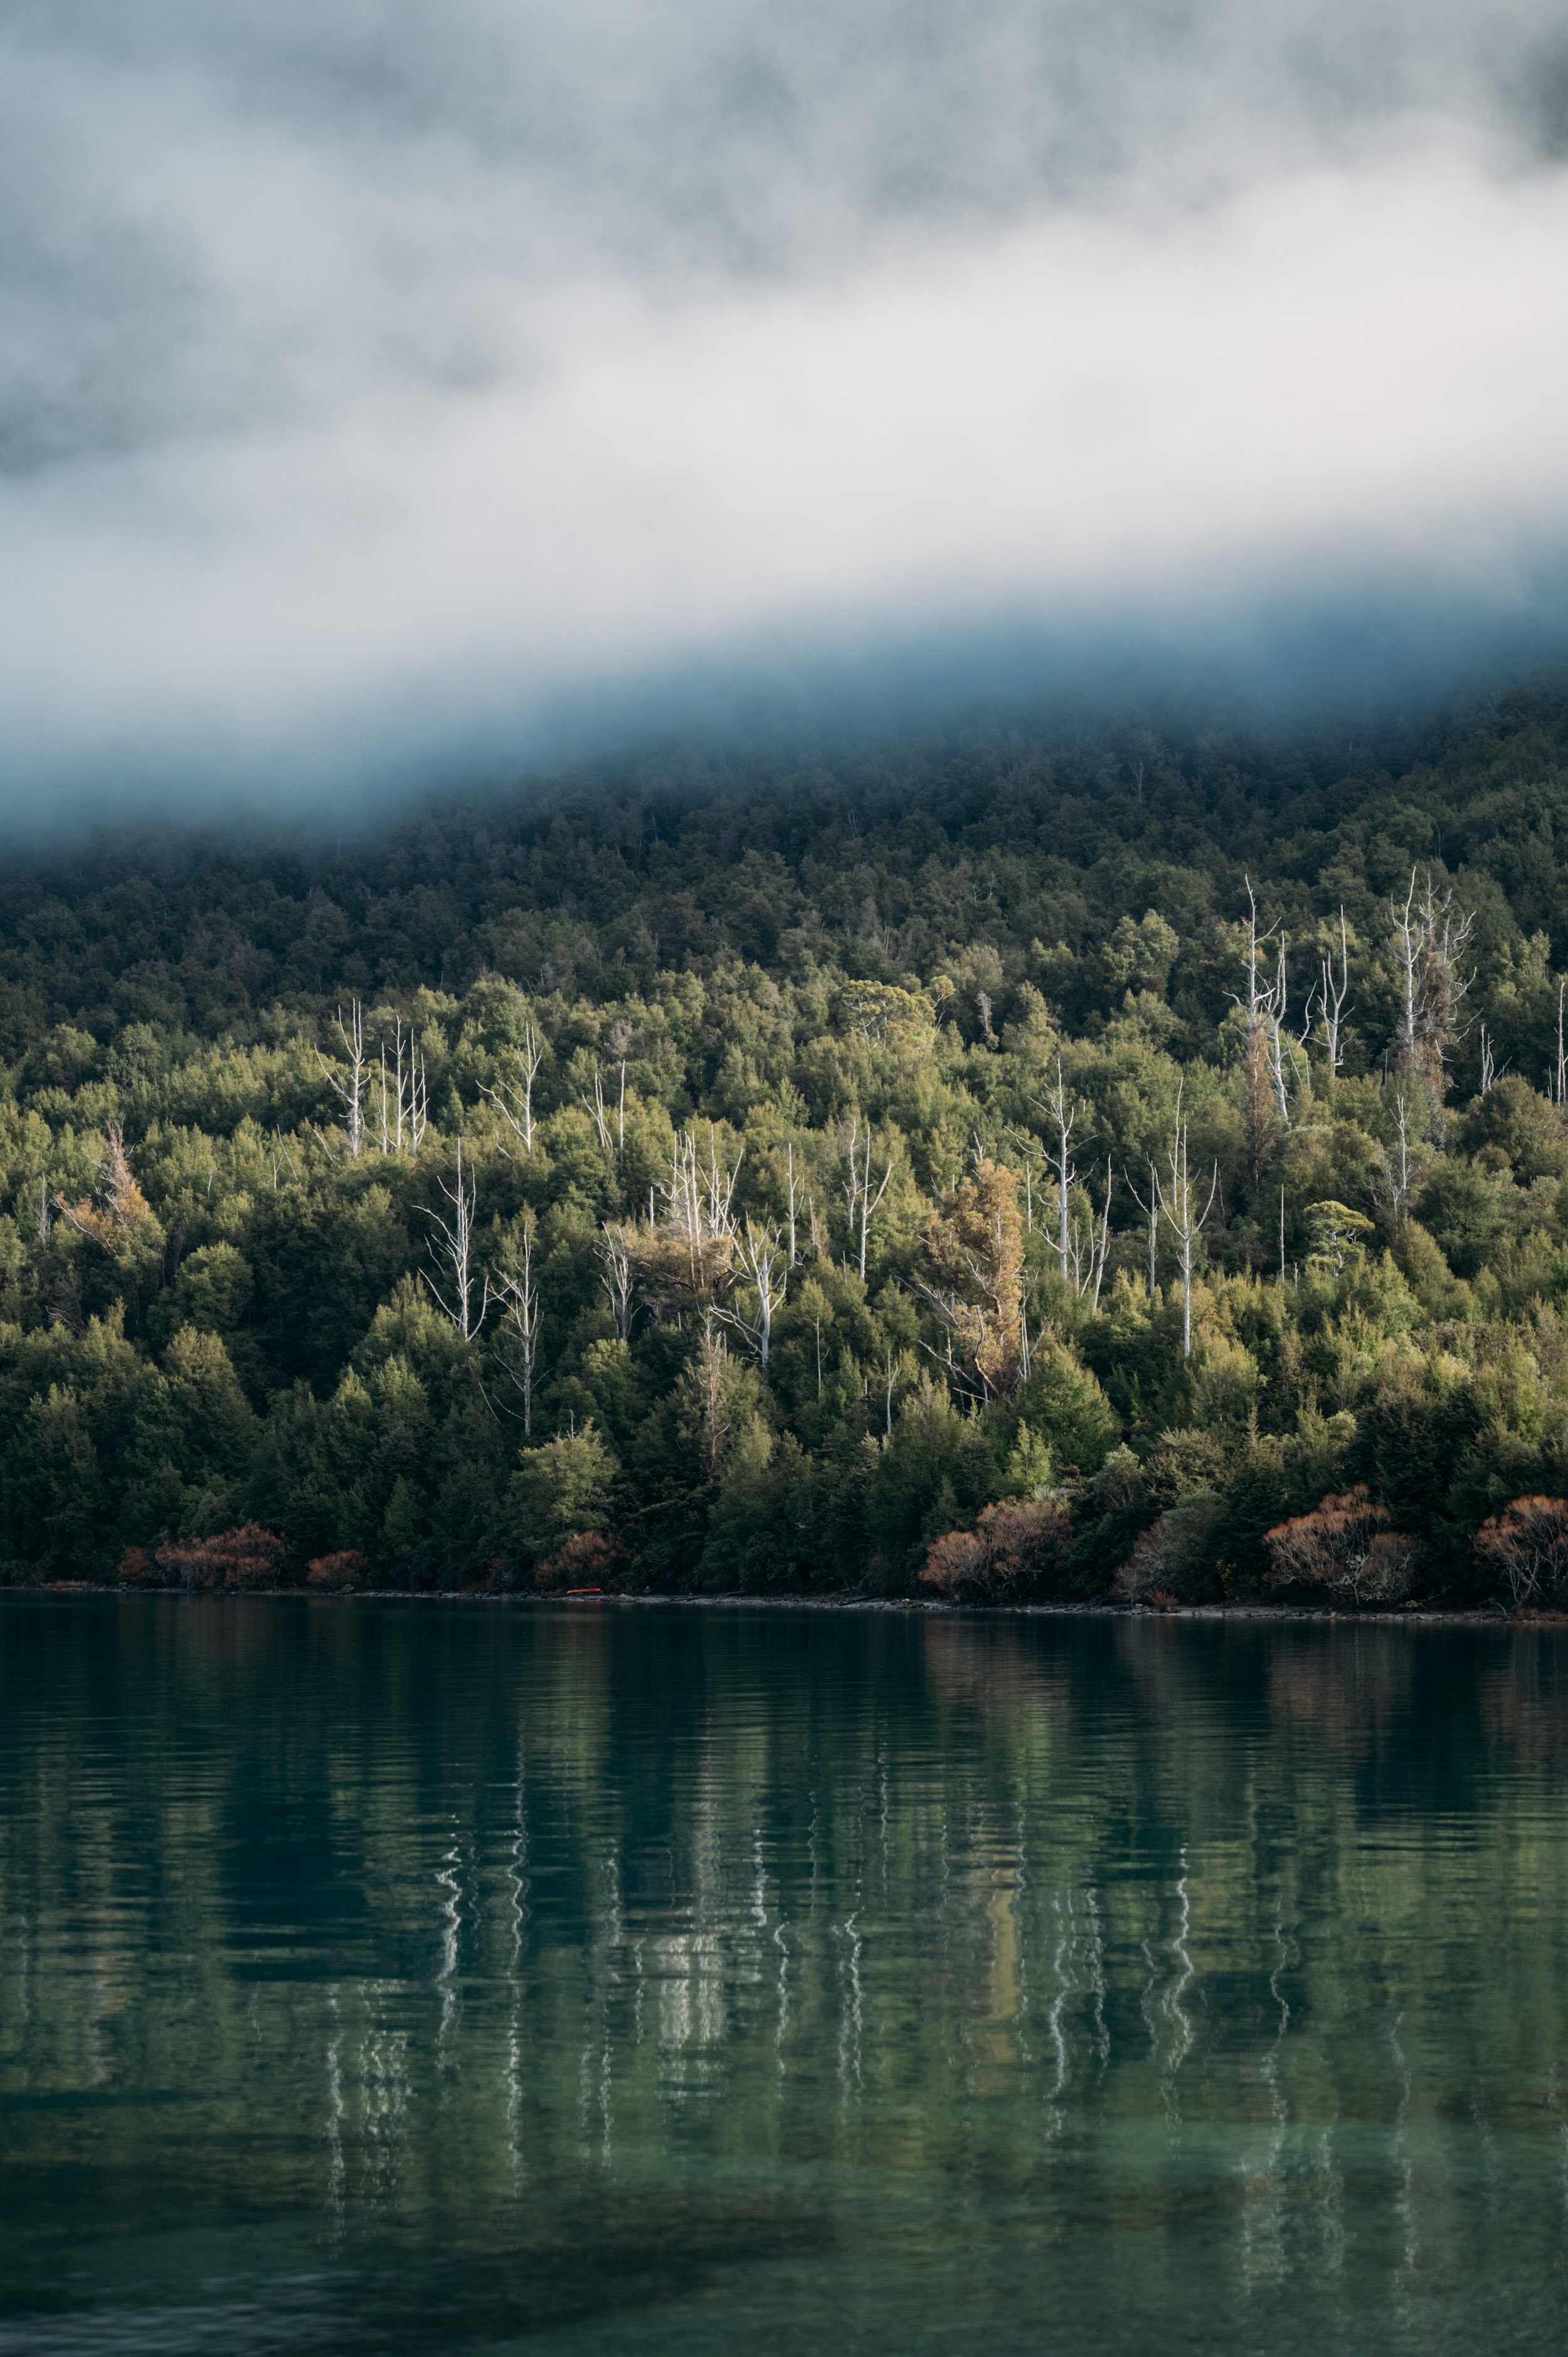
802,1038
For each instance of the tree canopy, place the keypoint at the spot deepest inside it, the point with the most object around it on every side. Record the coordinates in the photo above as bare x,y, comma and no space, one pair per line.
743,1170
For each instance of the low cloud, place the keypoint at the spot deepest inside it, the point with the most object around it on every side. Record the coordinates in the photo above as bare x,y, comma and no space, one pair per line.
371,397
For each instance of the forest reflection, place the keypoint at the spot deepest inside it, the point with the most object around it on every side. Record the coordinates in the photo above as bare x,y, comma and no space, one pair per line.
612,1942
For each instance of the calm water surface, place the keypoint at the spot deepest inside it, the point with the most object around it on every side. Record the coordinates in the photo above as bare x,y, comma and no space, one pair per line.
598,1979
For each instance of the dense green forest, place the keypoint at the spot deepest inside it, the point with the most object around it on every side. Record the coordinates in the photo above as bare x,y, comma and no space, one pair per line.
655,1179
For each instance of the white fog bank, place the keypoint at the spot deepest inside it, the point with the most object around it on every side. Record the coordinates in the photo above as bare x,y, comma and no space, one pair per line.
337,420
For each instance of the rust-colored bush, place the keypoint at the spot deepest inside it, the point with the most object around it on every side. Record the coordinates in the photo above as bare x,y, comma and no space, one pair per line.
349,1569
587,1559
247,1558
1346,1545
1525,1550
1015,1551
955,1563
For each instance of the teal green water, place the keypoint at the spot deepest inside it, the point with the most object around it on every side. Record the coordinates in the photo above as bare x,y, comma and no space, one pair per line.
620,1979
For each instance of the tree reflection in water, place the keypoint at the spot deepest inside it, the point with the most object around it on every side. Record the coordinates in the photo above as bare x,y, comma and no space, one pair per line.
626,1977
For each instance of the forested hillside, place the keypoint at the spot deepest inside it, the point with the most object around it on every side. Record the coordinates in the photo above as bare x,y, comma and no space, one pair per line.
657,1179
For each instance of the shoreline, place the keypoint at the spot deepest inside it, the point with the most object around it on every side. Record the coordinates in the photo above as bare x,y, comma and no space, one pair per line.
1453,1616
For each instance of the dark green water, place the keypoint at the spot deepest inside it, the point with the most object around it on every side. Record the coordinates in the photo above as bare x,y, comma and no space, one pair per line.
623,1980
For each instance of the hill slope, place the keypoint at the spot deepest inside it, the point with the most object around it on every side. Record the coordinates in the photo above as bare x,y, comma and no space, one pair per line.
764,1279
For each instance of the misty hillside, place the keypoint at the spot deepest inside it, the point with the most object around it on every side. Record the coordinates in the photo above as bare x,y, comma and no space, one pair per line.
655,1179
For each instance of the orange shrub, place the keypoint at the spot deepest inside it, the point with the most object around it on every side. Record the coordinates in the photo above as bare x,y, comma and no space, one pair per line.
247,1558
1525,1549
1015,1551
1346,1545
587,1559
955,1563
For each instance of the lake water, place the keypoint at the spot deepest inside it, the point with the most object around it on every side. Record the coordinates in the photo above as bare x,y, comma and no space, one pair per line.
386,1979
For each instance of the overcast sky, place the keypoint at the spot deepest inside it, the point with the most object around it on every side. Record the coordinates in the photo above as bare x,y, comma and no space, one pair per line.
374,377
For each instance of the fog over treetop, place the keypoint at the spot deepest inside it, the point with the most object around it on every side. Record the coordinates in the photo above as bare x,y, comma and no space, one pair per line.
375,375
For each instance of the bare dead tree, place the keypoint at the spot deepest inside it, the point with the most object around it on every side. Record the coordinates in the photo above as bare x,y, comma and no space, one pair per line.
403,1094
617,1278
1491,1071
1396,1170
763,1273
1265,1096
1276,1001
599,1115
513,1099
119,1212
1089,1244
699,1196
1431,937
1332,998
462,1294
518,1296
684,1255
1025,1341
1561,1090
1178,1200
1064,1111
418,1102
861,1198
347,1080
